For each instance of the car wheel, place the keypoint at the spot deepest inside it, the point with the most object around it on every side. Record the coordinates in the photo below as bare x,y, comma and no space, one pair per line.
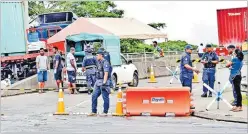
135,81
114,81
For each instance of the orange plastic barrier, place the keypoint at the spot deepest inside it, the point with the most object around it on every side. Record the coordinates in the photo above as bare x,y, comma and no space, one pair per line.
158,101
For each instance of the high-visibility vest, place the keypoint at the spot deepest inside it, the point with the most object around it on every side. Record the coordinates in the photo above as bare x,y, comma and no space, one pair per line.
162,53
157,53
245,46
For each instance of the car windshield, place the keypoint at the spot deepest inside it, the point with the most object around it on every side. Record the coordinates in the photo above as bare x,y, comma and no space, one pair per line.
55,17
79,60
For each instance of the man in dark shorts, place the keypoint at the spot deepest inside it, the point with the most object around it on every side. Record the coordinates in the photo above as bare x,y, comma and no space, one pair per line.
71,67
57,66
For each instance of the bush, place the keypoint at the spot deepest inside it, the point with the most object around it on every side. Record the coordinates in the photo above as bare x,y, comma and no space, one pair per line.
137,46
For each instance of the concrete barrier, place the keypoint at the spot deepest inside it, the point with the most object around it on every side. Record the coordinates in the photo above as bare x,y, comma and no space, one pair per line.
28,83
31,82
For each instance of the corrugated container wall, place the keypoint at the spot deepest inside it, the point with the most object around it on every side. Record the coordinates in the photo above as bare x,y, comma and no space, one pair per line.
231,26
13,40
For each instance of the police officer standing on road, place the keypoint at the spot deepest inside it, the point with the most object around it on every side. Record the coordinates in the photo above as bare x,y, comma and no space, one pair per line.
209,60
186,74
102,85
90,65
231,49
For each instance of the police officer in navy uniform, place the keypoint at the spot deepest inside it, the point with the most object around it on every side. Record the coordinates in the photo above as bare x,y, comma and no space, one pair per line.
209,60
107,57
90,65
102,85
186,74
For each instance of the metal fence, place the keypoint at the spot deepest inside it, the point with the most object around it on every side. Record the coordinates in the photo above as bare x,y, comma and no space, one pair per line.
149,56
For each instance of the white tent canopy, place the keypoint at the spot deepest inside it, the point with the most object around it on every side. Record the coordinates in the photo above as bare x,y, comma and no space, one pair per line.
128,28
121,27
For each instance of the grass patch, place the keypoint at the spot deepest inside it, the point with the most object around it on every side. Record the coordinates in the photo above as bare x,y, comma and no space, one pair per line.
244,100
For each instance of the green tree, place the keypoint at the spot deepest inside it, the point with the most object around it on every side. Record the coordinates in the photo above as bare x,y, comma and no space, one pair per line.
214,45
177,45
157,26
80,8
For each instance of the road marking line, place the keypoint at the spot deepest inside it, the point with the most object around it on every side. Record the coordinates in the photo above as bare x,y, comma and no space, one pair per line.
79,104
68,108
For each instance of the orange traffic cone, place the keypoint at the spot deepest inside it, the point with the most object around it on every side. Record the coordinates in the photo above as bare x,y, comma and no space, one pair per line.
152,76
61,105
119,104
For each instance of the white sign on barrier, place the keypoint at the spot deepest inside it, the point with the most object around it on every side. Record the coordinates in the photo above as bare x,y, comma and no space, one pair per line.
157,100
170,101
145,101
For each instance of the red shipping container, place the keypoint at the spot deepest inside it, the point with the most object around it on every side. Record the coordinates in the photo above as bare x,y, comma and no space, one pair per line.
232,25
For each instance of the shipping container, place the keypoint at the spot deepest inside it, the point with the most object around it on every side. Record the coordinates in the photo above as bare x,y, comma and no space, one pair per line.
232,25
13,33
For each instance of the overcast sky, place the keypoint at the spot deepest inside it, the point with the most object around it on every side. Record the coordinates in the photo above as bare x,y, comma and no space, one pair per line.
192,21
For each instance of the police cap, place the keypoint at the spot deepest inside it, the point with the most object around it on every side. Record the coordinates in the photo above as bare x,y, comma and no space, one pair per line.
231,46
208,46
100,51
188,47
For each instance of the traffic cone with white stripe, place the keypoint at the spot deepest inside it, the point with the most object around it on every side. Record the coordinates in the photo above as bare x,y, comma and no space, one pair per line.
119,104
61,104
152,76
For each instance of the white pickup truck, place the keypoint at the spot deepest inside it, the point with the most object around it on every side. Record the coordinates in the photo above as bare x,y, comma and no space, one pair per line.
126,73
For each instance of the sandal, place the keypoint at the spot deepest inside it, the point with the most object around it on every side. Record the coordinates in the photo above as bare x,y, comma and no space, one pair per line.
72,91
233,108
238,109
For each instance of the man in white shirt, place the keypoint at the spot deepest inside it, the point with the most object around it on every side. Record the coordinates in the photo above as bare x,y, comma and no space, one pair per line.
200,50
42,66
71,69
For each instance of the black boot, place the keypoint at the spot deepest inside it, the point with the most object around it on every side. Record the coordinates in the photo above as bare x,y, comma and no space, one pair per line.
89,91
204,95
210,94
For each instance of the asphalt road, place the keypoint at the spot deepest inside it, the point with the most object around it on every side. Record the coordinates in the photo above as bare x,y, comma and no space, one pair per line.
34,113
